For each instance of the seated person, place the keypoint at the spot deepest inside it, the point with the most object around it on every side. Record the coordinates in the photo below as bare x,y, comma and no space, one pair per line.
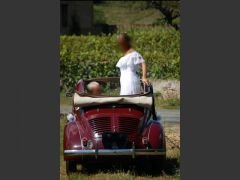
94,88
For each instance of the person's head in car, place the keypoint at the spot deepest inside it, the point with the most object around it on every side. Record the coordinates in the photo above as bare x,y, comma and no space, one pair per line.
94,88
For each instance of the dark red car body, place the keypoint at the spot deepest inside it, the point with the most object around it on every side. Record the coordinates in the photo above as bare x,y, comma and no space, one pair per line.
112,131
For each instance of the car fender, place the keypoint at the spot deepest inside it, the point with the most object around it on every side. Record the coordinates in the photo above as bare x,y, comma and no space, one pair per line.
72,136
154,134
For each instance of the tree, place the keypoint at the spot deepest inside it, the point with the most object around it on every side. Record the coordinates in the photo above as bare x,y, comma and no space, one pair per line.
171,11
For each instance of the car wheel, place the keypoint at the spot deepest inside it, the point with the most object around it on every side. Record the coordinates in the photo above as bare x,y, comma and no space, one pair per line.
158,165
71,166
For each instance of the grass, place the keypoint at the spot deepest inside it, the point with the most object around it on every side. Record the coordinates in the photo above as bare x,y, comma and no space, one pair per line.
171,172
172,103
64,100
126,13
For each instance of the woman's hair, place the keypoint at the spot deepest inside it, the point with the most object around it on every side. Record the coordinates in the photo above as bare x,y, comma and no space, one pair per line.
126,37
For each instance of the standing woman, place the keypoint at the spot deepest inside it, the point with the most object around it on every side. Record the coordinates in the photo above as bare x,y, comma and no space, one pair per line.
129,64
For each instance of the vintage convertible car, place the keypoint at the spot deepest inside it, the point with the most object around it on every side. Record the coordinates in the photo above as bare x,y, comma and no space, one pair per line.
111,127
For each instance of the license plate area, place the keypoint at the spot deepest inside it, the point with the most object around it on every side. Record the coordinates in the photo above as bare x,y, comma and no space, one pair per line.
112,140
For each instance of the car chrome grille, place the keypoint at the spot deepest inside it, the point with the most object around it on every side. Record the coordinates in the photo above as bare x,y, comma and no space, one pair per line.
100,125
130,126
127,125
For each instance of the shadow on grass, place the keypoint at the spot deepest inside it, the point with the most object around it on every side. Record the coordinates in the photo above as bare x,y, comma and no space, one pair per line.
171,166
140,168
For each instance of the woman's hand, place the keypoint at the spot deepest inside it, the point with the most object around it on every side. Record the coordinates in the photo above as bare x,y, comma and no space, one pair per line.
145,81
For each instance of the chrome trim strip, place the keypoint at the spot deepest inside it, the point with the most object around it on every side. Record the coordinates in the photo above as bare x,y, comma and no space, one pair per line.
106,152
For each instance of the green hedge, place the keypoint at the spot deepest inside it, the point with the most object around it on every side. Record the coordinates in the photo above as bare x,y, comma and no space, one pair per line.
96,56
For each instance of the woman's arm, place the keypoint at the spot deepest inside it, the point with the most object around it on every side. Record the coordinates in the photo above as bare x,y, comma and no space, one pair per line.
144,73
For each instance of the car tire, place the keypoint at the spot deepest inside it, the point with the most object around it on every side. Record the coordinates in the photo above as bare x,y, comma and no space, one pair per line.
158,165
71,166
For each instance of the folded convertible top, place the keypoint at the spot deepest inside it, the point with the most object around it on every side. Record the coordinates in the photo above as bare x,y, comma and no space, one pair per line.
143,101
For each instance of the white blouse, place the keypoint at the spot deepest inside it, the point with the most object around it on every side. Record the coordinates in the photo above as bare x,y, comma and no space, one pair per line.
129,80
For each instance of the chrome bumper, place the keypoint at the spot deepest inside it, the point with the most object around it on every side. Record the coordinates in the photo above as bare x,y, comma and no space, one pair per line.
113,152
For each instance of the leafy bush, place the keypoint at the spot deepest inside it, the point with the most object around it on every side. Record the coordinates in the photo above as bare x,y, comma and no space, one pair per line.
96,56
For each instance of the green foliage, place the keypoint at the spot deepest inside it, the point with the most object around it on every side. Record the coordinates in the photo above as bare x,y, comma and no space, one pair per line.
99,16
126,13
138,5
171,11
96,56
176,21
